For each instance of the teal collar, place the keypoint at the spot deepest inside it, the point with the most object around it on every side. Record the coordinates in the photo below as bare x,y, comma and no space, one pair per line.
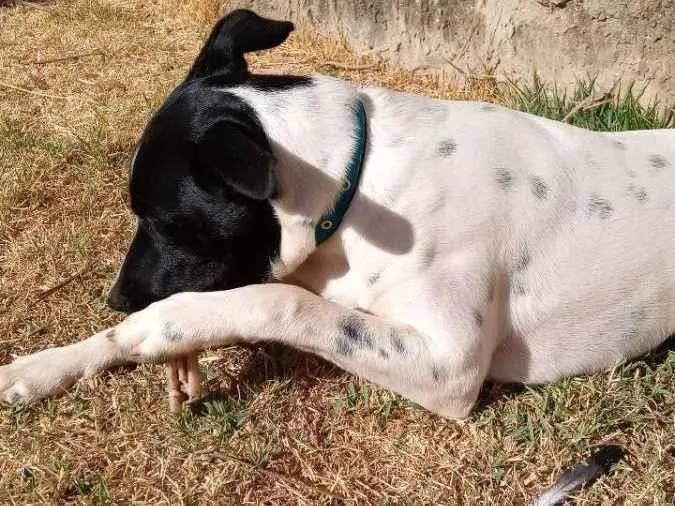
330,221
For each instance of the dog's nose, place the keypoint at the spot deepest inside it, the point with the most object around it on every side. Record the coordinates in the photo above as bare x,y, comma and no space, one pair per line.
118,302
126,297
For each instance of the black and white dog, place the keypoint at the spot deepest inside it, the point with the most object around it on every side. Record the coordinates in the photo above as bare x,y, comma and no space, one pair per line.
424,245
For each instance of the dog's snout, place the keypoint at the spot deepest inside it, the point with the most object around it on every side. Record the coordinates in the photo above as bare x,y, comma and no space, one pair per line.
117,301
120,300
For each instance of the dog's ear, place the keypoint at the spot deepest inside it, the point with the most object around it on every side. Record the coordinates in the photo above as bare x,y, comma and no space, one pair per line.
229,155
241,31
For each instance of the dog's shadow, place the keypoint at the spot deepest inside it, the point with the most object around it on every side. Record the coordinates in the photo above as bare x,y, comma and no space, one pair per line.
266,363
277,362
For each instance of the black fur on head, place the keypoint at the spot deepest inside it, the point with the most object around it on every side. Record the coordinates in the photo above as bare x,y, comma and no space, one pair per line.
203,175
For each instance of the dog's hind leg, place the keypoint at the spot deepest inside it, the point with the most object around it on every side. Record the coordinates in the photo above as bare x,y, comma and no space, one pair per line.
442,373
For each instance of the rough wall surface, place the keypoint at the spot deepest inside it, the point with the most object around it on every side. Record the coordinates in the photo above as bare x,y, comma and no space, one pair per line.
617,40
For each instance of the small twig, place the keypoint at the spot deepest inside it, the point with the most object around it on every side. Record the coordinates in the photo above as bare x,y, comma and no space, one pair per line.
452,64
595,105
36,5
285,477
31,92
65,282
34,333
553,3
342,66
63,58
587,103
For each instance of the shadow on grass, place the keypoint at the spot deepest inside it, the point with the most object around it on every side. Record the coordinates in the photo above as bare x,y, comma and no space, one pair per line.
658,356
276,362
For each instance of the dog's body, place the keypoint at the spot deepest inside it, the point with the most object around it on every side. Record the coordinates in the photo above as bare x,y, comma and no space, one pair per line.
481,242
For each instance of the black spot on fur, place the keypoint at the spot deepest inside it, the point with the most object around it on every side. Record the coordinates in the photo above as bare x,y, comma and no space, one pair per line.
171,332
397,344
383,353
478,318
110,335
524,259
639,192
658,162
437,373
518,287
446,148
374,278
619,145
437,204
504,178
599,206
488,108
429,255
354,329
343,347
538,187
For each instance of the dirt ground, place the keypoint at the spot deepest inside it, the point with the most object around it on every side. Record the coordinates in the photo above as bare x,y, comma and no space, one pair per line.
78,80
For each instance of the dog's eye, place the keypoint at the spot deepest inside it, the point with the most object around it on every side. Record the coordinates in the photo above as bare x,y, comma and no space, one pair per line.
187,234
176,229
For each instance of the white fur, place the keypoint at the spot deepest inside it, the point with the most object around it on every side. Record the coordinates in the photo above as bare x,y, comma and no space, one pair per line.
501,245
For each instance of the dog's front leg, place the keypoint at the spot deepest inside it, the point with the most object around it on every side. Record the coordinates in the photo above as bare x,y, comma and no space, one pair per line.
51,371
444,379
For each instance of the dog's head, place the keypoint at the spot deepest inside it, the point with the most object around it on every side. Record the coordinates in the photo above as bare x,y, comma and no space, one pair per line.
202,178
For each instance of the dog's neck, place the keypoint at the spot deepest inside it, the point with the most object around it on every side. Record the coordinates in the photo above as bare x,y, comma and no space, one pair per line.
312,130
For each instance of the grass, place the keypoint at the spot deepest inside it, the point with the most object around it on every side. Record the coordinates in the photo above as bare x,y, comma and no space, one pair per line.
588,108
79,80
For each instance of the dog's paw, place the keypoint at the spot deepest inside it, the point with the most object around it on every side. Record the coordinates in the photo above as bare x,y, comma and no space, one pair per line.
37,376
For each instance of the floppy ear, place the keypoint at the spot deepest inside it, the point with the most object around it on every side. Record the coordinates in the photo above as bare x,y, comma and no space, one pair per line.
228,155
241,31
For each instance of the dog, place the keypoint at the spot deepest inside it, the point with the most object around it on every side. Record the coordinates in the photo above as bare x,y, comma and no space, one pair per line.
421,244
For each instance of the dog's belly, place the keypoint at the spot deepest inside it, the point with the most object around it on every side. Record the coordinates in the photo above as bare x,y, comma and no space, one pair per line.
582,339
591,297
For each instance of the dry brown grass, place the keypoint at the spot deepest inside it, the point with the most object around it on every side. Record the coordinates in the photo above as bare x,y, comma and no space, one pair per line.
79,79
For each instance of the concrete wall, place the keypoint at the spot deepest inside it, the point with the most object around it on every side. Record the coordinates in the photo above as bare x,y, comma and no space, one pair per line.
625,40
